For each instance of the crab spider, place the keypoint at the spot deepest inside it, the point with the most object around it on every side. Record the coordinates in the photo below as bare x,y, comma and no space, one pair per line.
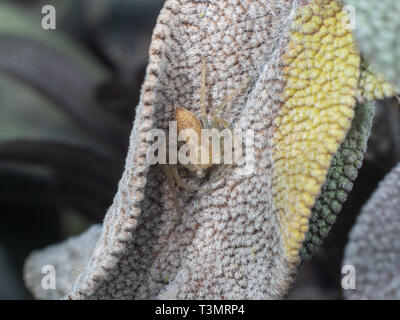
188,120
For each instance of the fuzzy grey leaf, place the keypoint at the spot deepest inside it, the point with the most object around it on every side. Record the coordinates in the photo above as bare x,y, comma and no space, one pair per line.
374,244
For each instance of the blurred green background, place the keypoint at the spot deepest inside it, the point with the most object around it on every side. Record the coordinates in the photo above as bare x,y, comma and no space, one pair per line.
67,103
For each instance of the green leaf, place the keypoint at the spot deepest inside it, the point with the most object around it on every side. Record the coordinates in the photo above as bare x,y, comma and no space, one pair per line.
342,173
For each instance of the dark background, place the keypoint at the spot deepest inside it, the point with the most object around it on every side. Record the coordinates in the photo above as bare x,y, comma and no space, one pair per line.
67,101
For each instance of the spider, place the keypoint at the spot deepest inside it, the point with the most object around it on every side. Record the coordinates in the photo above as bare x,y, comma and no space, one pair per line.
188,120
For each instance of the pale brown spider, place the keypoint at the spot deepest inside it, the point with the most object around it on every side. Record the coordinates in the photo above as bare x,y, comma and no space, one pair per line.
187,120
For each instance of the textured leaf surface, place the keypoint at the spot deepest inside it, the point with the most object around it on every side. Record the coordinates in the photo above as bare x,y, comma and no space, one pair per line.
228,244
241,234
374,246
373,85
342,173
322,68
377,31
68,262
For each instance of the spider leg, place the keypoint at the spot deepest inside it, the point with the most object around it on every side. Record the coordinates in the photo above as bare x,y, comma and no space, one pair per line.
228,99
203,92
171,183
203,88
225,125
221,123
179,182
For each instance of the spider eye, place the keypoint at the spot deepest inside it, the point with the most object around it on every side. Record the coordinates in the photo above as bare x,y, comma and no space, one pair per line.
200,173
